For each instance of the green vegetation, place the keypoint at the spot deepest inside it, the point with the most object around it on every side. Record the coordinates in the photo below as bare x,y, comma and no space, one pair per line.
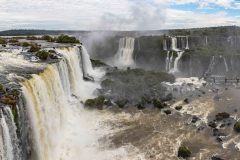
237,126
95,103
34,48
1,88
158,104
48,38
66,39
3,41
184,152
12,40
43,55
25,44
31,38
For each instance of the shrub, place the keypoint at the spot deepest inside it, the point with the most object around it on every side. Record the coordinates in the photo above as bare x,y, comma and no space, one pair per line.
66,39
12,41
237,126
2,90
31,38
95,103
43,55
158,104
3,41
184,152
15,92
34,48
25,44
48,38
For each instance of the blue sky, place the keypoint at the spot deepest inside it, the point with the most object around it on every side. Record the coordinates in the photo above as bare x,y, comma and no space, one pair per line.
117,14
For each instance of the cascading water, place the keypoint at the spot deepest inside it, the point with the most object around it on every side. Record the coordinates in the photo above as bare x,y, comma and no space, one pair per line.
87,65
165,45
174,44
175,67
8,140
167,61
60,126
124,56
225,64
187,44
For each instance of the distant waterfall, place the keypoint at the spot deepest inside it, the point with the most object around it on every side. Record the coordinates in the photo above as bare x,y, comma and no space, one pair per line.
225,64
187,44
165,45
124,56
167,61
174,44
171,66
175,67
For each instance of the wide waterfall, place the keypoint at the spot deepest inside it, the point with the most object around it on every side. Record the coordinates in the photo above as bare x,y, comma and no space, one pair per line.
124,56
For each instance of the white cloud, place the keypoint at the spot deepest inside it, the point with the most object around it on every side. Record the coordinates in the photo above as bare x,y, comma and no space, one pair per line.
106,14
188,19
206,3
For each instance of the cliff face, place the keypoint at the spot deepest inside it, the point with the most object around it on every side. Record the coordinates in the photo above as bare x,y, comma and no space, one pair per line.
215,50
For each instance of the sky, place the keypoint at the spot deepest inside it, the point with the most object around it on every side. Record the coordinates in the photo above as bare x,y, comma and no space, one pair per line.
117,14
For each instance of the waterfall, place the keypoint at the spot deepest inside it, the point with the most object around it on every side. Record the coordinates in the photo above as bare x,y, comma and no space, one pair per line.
211,66
170,62
225,64
187,45
8,135
165,45
60,127
175,67
167,61
206,40
124,56
174,44
87,65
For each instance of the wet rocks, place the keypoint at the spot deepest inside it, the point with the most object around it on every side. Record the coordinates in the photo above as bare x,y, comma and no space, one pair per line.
212,124
178,108
121,103
222,116
186,100
167,112
216,158
237,126
195,119
184,152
